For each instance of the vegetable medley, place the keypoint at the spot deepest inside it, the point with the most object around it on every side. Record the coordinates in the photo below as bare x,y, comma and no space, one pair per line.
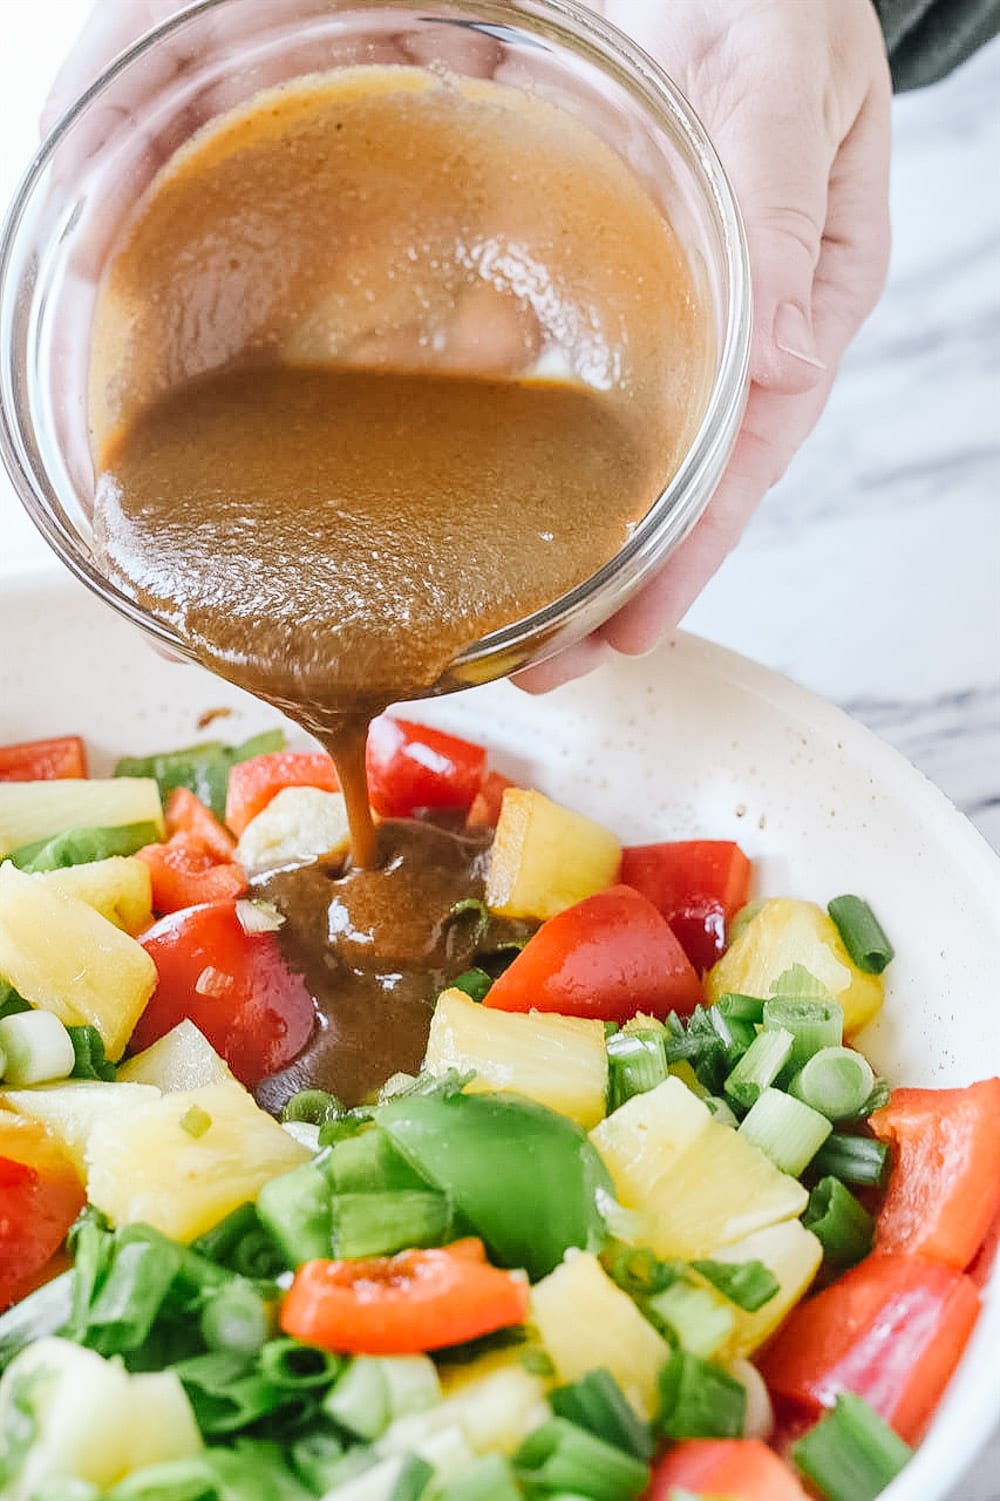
646,1222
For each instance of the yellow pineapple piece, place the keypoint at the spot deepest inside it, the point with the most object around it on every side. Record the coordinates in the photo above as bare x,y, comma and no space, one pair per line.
72,1110
793,1254
119,888
30,811
643,1139
62,956
545,858
560,1061
181,1183
183,1059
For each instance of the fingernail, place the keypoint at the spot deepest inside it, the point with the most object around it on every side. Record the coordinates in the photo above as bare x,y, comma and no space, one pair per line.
793,334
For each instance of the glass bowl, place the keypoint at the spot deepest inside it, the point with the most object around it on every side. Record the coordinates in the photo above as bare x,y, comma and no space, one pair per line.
214,55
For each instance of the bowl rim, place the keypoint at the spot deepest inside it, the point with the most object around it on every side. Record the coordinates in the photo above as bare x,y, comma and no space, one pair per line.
674,511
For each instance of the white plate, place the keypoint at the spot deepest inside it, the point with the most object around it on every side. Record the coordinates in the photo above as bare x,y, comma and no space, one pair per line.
691,740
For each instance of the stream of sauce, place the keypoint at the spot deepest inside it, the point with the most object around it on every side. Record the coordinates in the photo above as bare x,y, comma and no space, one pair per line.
383,363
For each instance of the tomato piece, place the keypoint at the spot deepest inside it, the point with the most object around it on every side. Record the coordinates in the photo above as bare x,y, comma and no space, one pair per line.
892,1329
944,1191
185,871
234,986
254,783
405,1304
43,760
40,1197
609,956
411,766
484,810
741,1469
699,885
187,814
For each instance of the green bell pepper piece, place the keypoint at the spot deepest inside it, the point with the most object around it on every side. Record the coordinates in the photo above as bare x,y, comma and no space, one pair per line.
82,846
204,768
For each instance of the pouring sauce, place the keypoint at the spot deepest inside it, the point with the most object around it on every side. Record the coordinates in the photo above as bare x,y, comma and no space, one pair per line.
384,362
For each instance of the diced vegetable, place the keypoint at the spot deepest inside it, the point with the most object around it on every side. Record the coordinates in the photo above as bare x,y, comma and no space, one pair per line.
787,1131
235,988
835,1081
545,858
119,888
891,1330
40,1196
186,814
637,1062
419,1300
855,1159
35,1048
944,1188
586,1322
559,1061
785,933
254,784
71,1110
81,847
155,1172
494,1405
43,760
699,1400
559,1457
484,810
411,766
739,1469
185,871
64,957
862,933
30,811
525,1179
698,1319
843,1227
698,885
759,1067
608,956
203,769
813,1024
298,825
642,1141
596,1402
851,1455
182,1059
792,1255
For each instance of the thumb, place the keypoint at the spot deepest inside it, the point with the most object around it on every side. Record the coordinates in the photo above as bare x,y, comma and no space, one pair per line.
780,167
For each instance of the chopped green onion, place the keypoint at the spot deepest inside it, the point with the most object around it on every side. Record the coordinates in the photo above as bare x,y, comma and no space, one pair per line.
536,1362
225,1394
296,1367
637,1271
835,1081
66,1488
88,1049
855,1159
673,1025
314,1107
489,1479
473,982
143,1267
813,1025
314,1456
759,1067
359,1402
852,1455
235,1317
787,1131
735,1035
36,1048
797,984
690,1316
596,1402
636,1063
843,1227
413,1479
881,1095
242,1245
380,1224
195,1121
862,933
472,906
721,1110
45,1311
741,1008
369,1163
561,1457
295,1209
748,1284
690,1047
349,1125
699,1400
11,1004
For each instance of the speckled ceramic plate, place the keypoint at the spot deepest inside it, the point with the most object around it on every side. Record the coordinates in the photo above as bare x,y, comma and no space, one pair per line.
691,740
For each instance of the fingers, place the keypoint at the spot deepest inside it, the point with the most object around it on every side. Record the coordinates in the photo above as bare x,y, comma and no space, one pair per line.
575,662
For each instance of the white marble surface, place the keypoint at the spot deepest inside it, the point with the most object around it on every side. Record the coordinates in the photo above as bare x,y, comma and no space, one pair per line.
872,572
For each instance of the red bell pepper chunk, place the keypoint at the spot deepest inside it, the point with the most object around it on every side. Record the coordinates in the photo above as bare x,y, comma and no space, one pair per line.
185,872
484,810
741,1469
187,814
253,783
40,1197
43,760
892,1329
609,956
944,1190
411,767
234,986
699,885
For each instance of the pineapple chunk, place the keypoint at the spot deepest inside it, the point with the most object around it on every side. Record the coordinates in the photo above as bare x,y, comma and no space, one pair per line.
784,933
36,810
719,1190
297,826
560,1061
64,957
545,858
157,1172
644,1138
119,888
71,1111
586,1321
494,1410
793,1254
161,1426
183,1059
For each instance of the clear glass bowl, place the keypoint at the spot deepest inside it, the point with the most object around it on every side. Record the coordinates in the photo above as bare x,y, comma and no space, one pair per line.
214,55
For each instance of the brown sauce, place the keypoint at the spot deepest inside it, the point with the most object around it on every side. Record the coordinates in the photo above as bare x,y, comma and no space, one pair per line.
384,362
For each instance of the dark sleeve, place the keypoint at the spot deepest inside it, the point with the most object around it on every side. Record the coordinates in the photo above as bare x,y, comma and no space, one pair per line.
925,39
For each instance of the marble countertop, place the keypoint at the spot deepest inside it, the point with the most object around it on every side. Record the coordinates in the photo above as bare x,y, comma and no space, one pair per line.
872,572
